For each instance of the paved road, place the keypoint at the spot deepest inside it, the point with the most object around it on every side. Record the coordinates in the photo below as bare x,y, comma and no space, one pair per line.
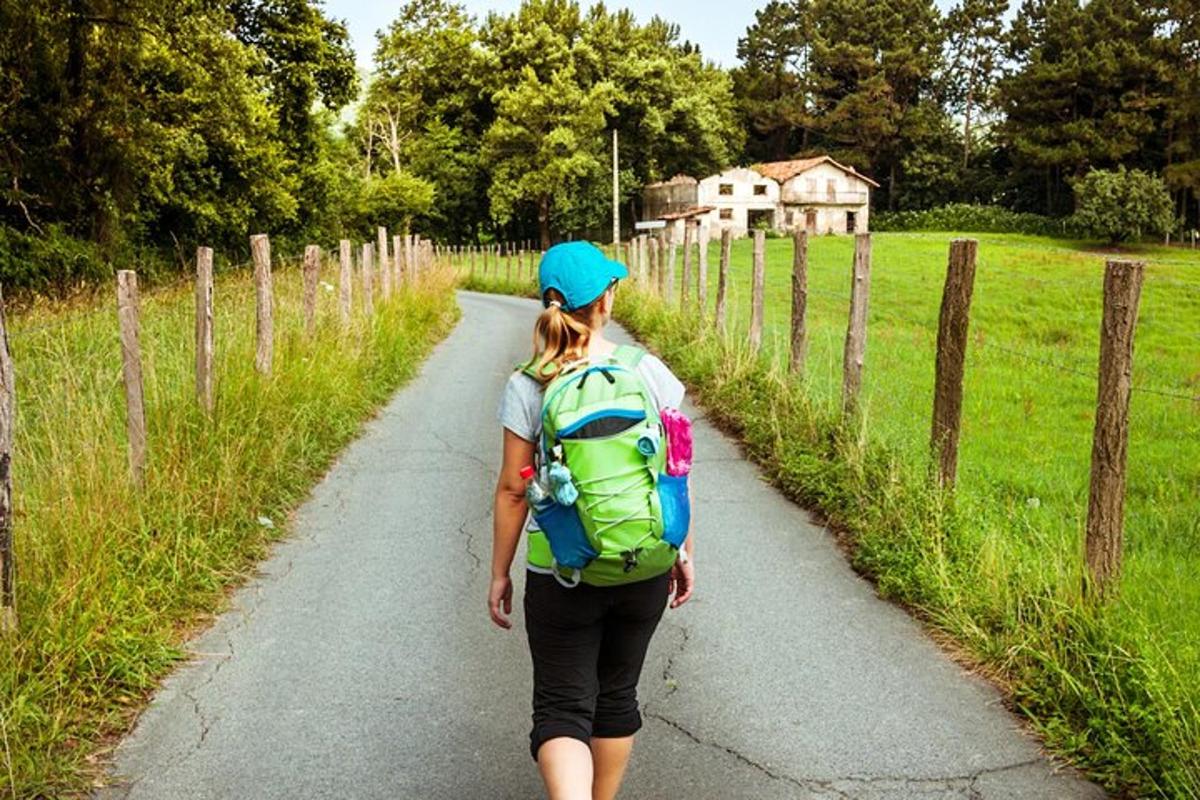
361,663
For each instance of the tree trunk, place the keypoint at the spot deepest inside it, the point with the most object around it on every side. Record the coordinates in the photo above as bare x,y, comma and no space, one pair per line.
544,220
967,129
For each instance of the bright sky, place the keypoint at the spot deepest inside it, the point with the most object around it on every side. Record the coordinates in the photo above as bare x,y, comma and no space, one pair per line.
713,24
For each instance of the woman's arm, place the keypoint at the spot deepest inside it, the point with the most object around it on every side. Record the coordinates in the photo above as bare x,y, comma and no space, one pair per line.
508,518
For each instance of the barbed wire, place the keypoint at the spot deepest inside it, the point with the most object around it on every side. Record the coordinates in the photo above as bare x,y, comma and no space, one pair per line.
1091,375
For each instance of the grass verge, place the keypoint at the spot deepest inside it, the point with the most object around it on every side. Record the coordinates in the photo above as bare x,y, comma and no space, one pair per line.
110,580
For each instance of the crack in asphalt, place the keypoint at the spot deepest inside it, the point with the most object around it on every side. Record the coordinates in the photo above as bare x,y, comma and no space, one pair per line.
805,784
469,538
669,680
963,783
450,447
827,786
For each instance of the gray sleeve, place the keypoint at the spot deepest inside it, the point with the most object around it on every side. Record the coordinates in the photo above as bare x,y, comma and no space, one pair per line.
665,388
520,406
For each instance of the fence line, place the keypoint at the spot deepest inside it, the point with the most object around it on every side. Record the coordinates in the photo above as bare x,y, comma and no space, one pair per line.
129,306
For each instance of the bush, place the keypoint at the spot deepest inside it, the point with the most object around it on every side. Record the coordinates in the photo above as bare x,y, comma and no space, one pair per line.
1121,205
52,261
974,219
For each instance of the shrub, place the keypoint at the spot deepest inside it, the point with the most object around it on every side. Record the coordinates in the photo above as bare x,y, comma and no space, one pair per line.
972,218
1123,204
51,261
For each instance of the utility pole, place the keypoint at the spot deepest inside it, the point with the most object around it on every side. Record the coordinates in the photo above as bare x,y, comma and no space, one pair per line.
616,199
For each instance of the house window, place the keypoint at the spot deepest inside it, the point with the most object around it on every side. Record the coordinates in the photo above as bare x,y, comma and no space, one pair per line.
726,189
831,189
791,216
726,213
810,185
760,189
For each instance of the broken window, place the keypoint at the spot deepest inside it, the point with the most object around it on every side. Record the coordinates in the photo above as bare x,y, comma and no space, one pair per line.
760,189
726,189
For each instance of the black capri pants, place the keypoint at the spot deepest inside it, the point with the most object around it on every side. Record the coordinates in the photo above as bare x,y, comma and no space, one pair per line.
588,645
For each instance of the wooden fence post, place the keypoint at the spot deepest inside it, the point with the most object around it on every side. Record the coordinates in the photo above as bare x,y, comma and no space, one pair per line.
1110,440
131,367
411,258
702,269
757,289
472,253
345,281
799,300
312,270
654,273
397,270
670,293
855,351
723,278
260,249
688,240
951,357
385,267
8,595
508,262
204,328
368,278
660,249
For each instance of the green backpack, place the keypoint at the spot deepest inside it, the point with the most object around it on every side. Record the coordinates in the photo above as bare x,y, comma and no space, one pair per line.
630,517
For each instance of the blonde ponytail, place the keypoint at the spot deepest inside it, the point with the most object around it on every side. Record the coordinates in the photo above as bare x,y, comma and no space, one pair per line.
560,337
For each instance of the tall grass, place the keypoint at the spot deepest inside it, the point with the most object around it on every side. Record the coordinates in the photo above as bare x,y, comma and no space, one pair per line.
111,579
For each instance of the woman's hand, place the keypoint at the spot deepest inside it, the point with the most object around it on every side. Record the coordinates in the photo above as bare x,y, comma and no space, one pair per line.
500,594
681,582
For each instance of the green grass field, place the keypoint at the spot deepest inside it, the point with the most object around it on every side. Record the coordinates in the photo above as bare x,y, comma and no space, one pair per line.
1004,574
110,580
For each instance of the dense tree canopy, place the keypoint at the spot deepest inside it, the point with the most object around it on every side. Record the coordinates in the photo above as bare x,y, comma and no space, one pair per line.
126,130
511,116
127,126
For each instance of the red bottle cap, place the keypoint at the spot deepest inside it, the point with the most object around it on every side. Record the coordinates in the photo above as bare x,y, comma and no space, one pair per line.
526,473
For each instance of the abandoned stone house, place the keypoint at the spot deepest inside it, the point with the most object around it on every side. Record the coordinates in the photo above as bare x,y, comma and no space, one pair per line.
819,194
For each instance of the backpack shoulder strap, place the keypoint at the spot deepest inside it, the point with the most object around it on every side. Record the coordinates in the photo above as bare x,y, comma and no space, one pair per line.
628,355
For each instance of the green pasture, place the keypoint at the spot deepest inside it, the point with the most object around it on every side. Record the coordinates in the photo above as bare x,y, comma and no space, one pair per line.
1029,392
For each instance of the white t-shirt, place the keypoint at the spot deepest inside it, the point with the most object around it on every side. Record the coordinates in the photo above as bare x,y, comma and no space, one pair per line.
521,404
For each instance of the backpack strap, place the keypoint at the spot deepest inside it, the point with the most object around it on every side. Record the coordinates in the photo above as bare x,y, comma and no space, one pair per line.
628,355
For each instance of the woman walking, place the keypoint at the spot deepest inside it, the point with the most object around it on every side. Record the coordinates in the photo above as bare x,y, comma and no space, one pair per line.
587,429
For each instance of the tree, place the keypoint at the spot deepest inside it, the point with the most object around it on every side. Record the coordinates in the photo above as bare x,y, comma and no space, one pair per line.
1183,107
426,111
543,143
975,30
1120,205
1109,54
773,82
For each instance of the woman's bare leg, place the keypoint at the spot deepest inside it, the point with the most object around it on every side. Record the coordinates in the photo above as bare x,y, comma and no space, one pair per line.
566,767
610,756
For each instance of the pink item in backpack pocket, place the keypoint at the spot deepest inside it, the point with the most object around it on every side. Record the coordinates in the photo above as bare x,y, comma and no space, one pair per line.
679,441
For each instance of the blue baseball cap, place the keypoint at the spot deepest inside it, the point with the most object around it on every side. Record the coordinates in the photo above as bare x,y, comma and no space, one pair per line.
579,271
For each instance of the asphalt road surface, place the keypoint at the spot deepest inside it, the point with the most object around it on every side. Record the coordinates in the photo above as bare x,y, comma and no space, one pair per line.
361,662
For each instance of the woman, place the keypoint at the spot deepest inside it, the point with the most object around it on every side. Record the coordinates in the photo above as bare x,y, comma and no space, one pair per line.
588,642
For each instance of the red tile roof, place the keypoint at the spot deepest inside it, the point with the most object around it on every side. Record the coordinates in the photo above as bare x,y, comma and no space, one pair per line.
784,171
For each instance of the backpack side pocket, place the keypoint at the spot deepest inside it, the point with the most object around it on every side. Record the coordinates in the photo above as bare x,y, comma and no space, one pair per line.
564,530
676,508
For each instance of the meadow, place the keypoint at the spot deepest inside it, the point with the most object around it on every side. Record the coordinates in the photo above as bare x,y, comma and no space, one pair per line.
111,580
997,568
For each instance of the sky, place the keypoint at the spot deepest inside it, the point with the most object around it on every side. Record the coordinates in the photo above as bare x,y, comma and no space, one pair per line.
715,25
